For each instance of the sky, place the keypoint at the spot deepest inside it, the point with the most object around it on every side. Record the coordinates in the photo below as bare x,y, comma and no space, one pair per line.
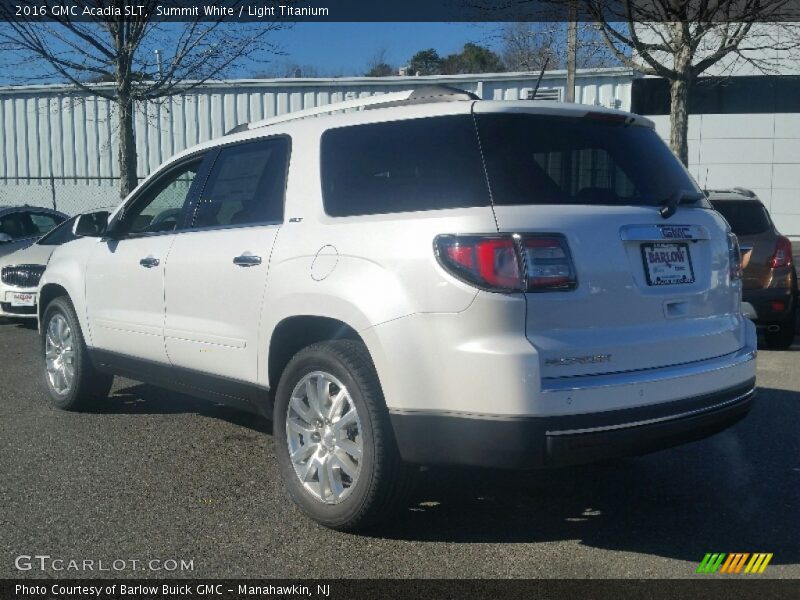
332,49
346,48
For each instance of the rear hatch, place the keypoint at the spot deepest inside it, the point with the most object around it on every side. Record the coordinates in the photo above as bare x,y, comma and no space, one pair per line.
651,291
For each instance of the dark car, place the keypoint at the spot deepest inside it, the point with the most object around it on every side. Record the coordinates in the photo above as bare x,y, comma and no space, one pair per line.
21,226
770,279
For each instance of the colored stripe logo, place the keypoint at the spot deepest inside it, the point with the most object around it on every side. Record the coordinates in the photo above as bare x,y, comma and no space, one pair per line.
737,562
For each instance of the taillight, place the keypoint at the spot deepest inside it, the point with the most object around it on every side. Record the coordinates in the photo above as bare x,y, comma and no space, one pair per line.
548,263
506,262
734,257
783,253
490,262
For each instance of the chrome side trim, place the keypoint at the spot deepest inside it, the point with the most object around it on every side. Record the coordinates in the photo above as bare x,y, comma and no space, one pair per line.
589,382
682,415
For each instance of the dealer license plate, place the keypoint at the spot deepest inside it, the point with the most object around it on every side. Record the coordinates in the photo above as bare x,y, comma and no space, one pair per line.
22,299
667,264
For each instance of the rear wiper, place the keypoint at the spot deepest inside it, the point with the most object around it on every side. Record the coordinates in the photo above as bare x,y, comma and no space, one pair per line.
670,205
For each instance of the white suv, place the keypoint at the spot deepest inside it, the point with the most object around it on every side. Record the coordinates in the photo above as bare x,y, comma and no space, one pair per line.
436,279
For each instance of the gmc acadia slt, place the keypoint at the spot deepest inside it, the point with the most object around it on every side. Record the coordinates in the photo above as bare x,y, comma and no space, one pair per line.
425,278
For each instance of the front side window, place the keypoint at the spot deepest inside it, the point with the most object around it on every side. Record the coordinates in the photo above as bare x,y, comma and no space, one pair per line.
413,165
544,159
246,185
159,207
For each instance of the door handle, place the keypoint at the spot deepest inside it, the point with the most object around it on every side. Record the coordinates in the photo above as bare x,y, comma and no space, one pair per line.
149,262
247,260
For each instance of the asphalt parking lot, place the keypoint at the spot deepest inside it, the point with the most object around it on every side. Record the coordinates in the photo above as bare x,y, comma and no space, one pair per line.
156,475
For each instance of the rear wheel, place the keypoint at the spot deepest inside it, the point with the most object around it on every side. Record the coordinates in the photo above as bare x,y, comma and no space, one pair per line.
333,438
71,381
783,337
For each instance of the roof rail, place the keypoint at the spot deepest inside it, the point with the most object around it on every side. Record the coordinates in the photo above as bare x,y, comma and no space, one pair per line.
421,95
734,190
745,192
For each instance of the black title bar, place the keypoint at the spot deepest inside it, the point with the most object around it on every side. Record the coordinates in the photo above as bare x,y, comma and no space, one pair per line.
706,587
272,11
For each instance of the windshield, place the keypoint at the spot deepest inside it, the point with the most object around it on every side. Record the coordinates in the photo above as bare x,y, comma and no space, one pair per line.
745,218
542,159
60,235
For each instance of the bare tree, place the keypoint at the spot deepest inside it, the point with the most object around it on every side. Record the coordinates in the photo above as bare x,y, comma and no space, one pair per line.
526,46
378,65
572,51
146,60
680,40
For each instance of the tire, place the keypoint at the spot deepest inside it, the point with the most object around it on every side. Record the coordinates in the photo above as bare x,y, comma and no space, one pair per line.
783,338
62,347
381,482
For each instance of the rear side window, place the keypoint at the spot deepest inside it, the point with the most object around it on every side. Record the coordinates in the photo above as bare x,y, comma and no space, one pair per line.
542,159
402,166
25,224
246,185
16,225
745,218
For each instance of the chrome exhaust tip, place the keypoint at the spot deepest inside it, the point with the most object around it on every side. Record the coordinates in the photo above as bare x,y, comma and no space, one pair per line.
773,328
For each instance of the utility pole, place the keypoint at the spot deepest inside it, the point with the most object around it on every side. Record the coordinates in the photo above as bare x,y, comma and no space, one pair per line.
572,50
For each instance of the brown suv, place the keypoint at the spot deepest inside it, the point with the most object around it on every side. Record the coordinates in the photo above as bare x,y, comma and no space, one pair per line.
770,279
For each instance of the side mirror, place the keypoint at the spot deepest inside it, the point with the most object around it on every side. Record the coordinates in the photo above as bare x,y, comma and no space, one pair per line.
91,224
4,237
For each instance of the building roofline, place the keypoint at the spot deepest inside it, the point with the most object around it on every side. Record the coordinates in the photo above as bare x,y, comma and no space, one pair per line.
398,80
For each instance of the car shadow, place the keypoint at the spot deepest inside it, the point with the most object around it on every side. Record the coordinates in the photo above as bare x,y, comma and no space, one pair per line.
738,491
19,323
143,399
795,347
762,344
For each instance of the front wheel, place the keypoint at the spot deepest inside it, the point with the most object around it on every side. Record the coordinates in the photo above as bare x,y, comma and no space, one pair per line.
70,378
334,442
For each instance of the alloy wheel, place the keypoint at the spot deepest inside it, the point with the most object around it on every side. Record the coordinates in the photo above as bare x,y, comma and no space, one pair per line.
324,435
60,354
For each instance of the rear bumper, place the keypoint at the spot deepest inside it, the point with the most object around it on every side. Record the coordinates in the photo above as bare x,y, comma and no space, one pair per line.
540,442
762,302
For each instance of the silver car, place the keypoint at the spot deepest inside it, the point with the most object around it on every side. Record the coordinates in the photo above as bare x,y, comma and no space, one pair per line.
20,226
20,271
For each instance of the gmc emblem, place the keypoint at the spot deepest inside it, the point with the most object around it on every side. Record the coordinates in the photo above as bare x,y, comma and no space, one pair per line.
676,232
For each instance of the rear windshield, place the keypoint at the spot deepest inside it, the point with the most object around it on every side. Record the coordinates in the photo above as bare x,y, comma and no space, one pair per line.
412,165
745,218
542,159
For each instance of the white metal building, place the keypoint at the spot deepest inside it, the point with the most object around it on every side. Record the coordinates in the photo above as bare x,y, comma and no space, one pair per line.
743,131
56,144
60,145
